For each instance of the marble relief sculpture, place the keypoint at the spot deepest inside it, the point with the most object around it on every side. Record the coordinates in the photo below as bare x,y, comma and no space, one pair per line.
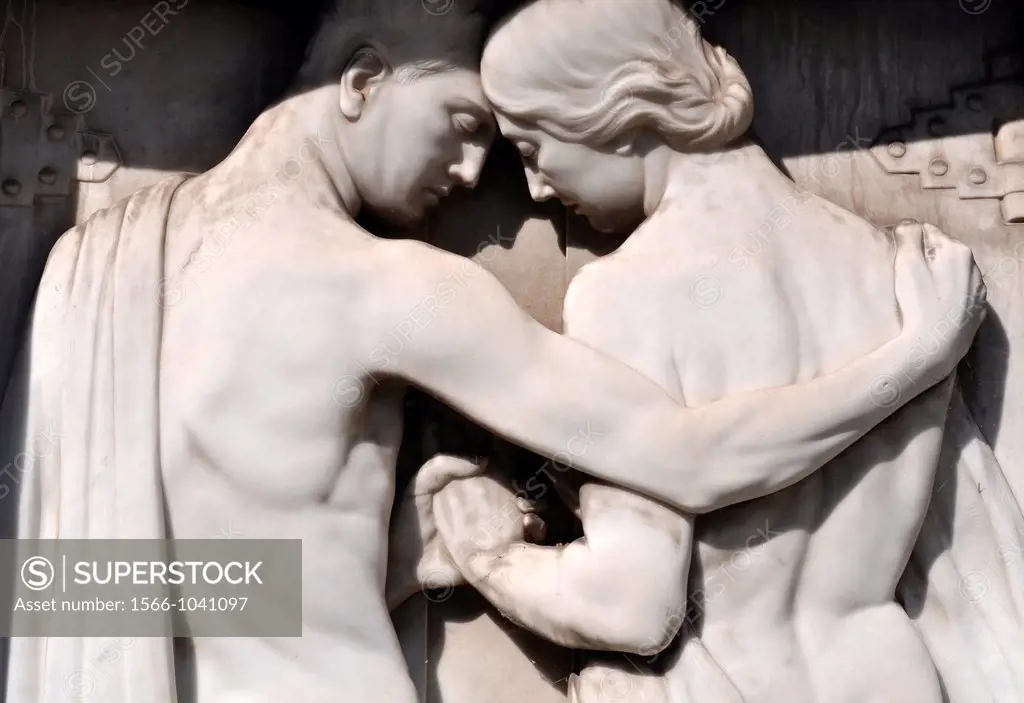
285,419
623,126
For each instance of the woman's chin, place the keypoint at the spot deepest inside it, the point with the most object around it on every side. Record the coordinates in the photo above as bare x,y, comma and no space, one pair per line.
607,223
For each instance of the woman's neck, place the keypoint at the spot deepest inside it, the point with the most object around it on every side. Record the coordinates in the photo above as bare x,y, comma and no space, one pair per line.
707,190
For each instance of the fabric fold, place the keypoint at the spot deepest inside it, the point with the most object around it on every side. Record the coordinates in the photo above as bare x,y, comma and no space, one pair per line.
964,585
94,361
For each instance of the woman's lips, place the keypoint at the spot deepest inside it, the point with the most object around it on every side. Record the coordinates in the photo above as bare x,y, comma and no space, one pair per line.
434,195
571,204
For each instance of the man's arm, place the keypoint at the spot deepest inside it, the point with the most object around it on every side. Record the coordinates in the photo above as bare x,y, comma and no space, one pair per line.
620,588
466,341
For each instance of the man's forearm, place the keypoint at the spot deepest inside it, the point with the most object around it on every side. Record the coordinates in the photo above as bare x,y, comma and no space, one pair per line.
811,425
756,443
763,442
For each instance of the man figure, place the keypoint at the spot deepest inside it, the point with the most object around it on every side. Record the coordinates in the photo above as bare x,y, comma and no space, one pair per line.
269,398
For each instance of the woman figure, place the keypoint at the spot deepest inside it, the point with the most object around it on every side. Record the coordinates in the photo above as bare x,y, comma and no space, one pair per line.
736,280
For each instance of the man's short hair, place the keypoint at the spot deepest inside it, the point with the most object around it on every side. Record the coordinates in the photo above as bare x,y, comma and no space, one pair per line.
415,36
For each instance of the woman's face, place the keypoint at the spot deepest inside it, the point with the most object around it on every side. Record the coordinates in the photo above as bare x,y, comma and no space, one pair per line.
604,185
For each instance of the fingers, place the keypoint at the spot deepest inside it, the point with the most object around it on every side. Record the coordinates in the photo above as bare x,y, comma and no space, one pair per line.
910,252
947,248
530,505
607,682
443,469
475,511
936,237
954,261
909,236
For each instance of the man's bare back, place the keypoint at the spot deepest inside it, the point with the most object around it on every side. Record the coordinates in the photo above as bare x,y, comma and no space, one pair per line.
791,594
257,444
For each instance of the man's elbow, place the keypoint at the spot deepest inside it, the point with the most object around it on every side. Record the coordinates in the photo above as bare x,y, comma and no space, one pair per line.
716,490
698,497
694,487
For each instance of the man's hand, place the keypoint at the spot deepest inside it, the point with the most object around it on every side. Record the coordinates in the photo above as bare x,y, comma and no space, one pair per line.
480,518
418,558
940,292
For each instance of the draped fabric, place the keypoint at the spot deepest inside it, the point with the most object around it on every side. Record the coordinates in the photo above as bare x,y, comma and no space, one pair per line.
93,384
964,585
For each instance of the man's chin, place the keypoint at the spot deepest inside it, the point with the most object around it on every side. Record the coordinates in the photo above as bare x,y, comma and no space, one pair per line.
405,216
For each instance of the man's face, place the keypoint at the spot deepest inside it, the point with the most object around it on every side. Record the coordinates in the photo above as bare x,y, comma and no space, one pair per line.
603,186
431,134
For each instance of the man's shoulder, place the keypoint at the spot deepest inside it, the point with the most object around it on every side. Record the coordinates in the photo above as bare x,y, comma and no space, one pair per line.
316,245
377,281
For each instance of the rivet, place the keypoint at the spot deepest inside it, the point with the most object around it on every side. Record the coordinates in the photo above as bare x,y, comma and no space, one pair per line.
89,158
938,167
55,132
977,176
11,187
47,175
19,108
897,149
937,126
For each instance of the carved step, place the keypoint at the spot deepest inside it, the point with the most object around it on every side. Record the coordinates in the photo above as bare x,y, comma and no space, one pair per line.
974,144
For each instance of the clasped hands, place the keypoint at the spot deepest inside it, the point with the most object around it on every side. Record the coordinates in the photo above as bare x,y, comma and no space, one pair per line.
467,516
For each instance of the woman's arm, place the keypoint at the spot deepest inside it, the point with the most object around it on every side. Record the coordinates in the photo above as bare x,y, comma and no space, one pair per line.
621,588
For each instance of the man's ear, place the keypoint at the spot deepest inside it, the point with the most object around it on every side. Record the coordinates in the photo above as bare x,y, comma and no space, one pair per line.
363,75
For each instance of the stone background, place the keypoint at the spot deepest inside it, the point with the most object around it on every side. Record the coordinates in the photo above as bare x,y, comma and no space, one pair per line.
829,78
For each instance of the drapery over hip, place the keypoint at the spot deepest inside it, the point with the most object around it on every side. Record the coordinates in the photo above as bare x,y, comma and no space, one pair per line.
964,585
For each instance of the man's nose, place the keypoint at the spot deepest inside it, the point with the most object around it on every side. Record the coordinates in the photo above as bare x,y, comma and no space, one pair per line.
539,188
467,171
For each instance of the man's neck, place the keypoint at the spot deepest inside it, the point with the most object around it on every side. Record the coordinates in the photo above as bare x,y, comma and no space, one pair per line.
293,152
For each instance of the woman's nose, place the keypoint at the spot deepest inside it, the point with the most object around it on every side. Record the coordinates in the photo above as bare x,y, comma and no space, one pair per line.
539,188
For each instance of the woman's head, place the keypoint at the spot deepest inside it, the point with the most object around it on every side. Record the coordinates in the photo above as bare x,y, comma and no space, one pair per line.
577,83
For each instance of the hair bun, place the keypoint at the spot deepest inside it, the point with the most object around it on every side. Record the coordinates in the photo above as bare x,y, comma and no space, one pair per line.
732,100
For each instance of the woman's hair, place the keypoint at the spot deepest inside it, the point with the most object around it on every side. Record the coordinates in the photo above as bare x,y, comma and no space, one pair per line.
590,70
415,36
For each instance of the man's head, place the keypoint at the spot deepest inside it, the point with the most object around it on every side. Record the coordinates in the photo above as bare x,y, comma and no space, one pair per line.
584,88
415,122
